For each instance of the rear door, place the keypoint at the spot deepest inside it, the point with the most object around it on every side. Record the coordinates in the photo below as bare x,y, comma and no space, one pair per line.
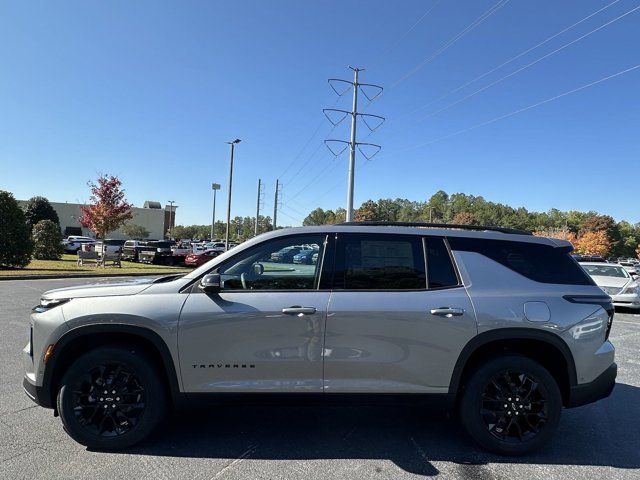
396,321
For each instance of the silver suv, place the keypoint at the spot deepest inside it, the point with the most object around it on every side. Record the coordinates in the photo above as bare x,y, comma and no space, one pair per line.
502,325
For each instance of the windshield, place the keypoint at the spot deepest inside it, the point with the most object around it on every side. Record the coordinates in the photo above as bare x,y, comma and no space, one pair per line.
606,271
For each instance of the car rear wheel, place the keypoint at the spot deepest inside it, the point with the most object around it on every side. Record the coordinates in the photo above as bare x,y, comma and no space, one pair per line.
511,405
111,398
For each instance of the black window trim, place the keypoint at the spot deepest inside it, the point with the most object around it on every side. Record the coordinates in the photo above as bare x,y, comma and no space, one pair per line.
451,258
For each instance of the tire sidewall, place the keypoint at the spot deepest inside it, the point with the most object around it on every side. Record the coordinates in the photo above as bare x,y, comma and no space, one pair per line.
155,397
471,402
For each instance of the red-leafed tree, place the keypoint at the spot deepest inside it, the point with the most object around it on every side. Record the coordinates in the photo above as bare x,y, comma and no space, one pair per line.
108,209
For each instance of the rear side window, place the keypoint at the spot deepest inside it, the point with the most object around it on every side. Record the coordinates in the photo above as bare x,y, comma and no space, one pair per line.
541,263
440,270
379,262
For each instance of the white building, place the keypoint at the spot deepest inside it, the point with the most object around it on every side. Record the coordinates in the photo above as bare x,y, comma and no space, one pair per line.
151,216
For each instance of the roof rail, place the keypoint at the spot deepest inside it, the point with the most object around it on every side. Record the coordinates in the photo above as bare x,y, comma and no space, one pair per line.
479,228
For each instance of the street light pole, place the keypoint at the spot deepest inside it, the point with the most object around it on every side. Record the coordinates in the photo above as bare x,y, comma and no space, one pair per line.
233,143
171,202
215,187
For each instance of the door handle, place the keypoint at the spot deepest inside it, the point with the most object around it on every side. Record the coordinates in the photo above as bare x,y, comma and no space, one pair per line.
447,312
298,310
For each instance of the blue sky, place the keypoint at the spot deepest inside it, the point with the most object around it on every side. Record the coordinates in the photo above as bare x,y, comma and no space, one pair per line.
151,91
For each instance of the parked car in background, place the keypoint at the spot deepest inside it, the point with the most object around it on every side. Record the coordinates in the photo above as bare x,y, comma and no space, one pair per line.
218,246
286,254
200,258
305,256
109,245
180,251
74,243
131,249
589,258
631,268
616,282
158,251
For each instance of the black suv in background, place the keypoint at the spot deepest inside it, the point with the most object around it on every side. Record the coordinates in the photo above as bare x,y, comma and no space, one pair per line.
156,252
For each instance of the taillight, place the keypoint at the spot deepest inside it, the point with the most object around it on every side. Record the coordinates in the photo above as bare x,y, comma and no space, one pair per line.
603,300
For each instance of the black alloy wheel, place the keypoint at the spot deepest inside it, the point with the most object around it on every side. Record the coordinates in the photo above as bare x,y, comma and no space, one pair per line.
514,406
108,400
111,397
510,405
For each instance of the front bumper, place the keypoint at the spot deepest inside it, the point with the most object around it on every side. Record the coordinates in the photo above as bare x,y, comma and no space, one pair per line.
629,300
591,392
35,393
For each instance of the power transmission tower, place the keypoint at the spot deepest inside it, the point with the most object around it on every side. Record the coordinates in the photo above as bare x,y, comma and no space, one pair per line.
278,196
373,124
258,205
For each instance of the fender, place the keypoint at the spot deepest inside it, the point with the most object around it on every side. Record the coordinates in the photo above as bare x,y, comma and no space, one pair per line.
511,334
48,398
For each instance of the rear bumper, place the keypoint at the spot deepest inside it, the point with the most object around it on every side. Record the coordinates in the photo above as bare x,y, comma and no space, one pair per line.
591,392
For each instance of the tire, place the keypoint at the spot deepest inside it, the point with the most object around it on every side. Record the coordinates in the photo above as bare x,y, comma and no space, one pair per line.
132,412
533,410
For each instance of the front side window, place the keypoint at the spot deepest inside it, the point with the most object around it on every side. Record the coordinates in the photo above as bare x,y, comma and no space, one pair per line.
276,265
379,262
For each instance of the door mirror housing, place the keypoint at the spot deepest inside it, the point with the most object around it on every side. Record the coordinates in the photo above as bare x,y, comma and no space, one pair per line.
211,283
258,268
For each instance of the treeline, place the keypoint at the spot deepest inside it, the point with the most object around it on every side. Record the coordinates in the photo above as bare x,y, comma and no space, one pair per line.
616,239
241,228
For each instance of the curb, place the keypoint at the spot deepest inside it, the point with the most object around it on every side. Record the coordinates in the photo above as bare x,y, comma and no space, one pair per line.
79,275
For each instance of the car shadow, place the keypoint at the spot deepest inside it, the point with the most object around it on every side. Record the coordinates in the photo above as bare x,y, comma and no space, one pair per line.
601,434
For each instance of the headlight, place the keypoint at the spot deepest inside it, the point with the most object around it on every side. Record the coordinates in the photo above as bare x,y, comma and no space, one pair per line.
632,288
49,303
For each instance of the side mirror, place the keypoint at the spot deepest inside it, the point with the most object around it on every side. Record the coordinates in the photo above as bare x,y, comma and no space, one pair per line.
258,268
211,283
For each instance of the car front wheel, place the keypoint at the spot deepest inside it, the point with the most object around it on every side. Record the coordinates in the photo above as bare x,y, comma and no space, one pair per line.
111,398
511,405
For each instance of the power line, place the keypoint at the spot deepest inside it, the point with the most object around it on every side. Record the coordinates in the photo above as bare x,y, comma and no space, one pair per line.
512,59
407,32
452,41
529,64
524,109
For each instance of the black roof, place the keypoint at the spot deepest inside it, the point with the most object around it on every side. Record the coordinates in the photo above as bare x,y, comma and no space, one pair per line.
480,228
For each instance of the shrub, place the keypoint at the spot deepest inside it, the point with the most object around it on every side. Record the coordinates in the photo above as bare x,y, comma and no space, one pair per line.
15,239
39,208
47,241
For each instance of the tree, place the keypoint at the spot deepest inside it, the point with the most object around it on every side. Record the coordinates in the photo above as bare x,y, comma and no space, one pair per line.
137,232
39,208
367,211
47,241
316,217
108,209
15,238
463,218
561,234
593,243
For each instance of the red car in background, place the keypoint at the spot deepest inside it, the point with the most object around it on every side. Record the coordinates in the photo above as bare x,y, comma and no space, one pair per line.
200,258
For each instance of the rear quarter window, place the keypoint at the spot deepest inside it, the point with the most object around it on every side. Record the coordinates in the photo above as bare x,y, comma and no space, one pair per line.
541,263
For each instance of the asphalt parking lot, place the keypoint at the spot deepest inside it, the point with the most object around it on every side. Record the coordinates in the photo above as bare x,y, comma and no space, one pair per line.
596,441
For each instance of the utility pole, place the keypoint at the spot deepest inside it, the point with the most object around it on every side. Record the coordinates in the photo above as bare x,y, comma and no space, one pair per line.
233,144
215,187
255,233
171,202
275,205
352,144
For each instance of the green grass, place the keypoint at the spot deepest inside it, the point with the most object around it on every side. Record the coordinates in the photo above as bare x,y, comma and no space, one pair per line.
67,266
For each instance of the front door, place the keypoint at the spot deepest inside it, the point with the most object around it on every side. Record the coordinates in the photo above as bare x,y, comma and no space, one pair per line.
264,330
395,323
